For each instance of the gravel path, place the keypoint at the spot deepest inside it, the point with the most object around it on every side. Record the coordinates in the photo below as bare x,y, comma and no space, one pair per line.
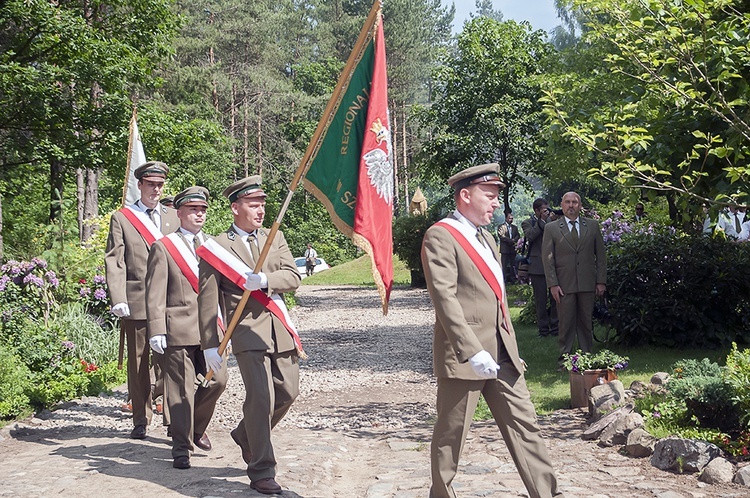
360,428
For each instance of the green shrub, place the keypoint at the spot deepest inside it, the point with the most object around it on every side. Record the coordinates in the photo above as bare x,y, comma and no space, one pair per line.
678,290
14,382
408,232
92,340
737,376
708,398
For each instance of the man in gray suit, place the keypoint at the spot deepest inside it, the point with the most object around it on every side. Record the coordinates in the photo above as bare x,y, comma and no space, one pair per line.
533,231
474,346
508,235
575,265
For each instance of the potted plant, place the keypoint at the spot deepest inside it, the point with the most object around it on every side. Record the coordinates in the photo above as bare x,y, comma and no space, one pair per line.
589,369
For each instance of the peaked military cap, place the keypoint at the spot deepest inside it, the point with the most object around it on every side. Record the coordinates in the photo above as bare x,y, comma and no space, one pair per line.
151,169
192,195
482,174
247,187
167,200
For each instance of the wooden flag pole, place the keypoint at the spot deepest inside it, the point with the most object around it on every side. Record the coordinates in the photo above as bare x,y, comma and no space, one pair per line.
301,169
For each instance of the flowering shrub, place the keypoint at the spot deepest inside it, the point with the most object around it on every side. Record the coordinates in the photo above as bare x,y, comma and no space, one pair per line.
26,288
93,295
614,227
605,359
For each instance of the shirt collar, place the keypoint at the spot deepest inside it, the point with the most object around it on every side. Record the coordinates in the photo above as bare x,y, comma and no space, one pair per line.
188,234
243,233
463,219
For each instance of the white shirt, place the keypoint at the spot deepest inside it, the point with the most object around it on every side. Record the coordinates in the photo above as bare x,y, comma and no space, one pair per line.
140,206
726,223
244,235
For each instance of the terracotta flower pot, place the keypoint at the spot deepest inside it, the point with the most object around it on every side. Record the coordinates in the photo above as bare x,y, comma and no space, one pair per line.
581,384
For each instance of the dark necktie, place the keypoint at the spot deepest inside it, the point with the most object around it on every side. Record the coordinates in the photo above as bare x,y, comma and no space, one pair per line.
737,225
196,243
251,240
150,213
574,231
480,238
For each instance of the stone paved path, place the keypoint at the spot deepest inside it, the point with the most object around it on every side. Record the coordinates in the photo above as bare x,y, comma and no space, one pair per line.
361,428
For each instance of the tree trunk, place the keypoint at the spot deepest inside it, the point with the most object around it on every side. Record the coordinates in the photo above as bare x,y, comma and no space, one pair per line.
80,195
404,167
394,158
91,204
233,121
56,180
260,139
245,138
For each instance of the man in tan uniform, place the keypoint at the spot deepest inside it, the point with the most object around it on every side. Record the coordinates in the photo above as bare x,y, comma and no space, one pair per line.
132,230
263,345
474,347
172,299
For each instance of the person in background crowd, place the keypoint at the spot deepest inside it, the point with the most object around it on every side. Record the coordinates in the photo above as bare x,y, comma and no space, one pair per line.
546,307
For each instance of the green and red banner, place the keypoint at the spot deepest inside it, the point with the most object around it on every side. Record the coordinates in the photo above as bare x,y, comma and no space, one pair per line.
351,167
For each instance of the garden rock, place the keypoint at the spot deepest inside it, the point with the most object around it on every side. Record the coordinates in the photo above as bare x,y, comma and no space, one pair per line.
595,430
718,470
603,398
743,476
683,455
660,378
637,387
617,432
640,443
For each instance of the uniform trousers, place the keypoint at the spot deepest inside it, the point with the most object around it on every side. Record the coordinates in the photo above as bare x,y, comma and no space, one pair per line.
509,401
575,311
190,409
271,386
546,317
139,379
508,260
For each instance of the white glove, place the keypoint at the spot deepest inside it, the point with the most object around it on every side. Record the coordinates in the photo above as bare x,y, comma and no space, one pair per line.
484,366
121,309
158,343
213,360
256,281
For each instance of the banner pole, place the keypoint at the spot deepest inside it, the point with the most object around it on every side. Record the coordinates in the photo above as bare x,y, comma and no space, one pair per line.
301,169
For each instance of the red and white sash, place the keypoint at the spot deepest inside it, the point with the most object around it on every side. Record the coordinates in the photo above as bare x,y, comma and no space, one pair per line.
186,262
236,270
487,266
142,224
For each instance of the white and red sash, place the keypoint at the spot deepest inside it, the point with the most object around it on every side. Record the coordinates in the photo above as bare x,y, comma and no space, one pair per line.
236,270
186,262
488,267
142,224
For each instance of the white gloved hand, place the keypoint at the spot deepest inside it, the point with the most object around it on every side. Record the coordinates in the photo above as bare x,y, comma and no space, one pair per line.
158,343
121,310
213,360
483,365
256,281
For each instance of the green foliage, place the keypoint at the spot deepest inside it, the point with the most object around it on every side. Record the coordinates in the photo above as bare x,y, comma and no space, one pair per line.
14,383
678,290
665,104
604,359
737,376
94,339
485,106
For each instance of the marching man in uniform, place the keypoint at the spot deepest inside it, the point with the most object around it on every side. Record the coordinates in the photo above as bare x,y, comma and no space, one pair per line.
265,341
132,231
172,311
474,346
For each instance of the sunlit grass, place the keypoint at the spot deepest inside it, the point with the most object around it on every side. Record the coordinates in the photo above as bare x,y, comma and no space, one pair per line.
358,272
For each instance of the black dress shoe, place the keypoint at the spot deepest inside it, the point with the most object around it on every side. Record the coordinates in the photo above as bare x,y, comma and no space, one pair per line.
267,486
202,441
138,432
246,455
181,462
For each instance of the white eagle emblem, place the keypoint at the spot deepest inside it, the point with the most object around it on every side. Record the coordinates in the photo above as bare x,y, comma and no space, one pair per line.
379,165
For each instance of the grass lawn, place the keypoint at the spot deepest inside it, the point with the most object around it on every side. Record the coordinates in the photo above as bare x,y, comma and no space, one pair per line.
550,389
